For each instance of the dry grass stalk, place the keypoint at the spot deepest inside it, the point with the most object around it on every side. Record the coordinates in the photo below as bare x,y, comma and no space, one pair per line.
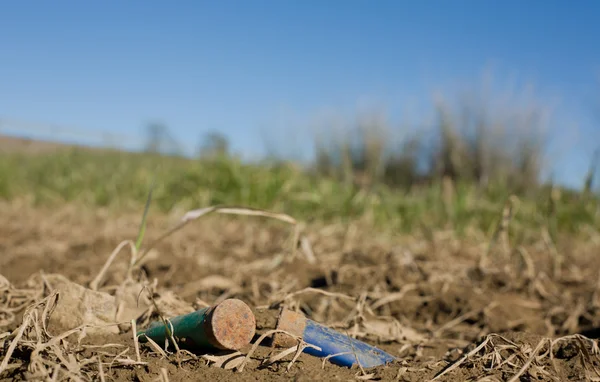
374,296
167,323
392,297
54,356
96,282
13,344
557,259
227,361
13,300
281,355
448,197
156,348
529,361
298,348
529,267
464,358
135,341
328,357
591,174
307,250
501,232
164,375
318,291
228,210
522,358
100,370
460,319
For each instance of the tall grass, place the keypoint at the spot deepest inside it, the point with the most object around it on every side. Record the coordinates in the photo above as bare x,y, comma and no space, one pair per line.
121,181
458,173
466,143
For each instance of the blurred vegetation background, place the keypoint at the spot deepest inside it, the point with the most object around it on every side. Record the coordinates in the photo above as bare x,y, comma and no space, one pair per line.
457,174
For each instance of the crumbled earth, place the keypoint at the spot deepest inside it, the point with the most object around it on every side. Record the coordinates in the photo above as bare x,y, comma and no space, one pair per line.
530,313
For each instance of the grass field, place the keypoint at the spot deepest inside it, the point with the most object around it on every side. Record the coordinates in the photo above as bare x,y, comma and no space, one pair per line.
457,281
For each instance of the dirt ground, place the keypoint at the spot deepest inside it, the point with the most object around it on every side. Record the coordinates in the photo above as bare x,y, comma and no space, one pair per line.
527,314
10,144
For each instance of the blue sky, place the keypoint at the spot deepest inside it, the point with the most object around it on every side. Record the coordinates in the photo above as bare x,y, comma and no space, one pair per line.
256,69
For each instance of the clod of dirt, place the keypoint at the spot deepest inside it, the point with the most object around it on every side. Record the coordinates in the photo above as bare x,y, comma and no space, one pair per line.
266,319
171,305
512,311
78,306
391,330
566,350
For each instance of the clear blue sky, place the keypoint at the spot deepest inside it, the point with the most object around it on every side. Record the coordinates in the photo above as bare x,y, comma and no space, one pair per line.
249,68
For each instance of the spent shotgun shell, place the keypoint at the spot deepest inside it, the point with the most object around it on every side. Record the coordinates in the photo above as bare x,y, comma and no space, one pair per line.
347,350
229,325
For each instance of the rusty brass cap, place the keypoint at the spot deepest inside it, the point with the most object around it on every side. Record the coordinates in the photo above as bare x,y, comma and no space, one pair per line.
230,325
293,323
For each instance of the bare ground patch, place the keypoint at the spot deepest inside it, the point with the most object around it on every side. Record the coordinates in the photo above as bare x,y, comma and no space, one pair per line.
425,299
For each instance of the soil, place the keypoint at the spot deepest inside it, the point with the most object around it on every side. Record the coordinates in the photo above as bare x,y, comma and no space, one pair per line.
423,299
22,145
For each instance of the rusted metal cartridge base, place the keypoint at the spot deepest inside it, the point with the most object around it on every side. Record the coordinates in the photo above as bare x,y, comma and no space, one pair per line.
229,325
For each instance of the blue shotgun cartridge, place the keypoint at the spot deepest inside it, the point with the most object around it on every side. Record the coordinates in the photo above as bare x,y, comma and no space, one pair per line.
348,350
